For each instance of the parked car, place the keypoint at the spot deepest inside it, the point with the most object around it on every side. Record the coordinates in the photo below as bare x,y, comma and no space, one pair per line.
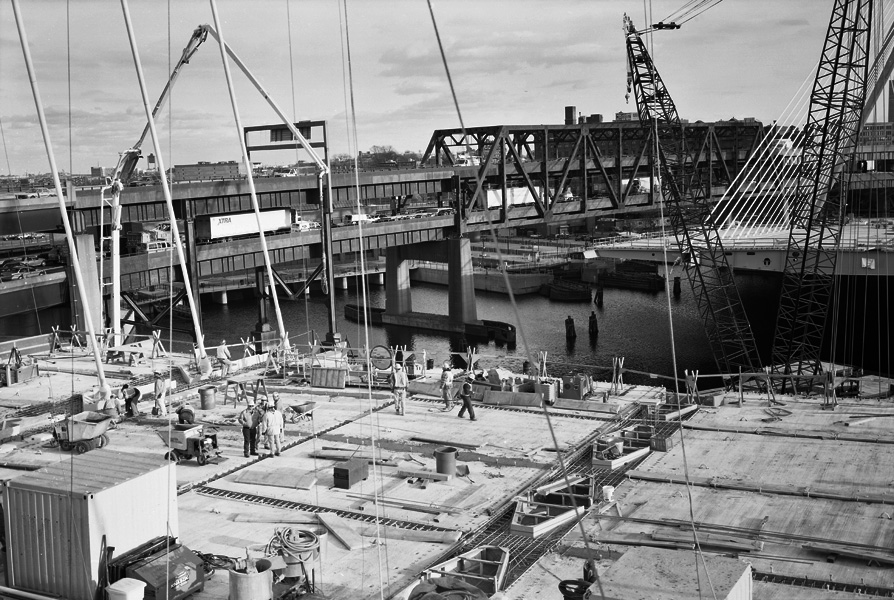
22,273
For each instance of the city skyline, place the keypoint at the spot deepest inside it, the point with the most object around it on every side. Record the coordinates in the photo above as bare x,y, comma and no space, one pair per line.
512,62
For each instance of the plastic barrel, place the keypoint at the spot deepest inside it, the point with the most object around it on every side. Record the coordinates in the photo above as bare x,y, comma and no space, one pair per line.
208,394
445,460
252,586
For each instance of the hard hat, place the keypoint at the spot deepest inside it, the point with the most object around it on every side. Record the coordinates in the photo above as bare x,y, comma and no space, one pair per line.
447,364
397,367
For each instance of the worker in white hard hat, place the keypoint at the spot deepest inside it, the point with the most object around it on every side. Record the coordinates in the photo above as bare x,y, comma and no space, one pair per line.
447,386
250,418
399,384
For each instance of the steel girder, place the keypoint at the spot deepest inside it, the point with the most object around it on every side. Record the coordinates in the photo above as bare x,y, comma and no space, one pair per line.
591,159
689,208
836,108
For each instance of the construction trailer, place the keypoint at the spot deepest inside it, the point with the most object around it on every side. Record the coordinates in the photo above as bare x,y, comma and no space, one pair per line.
62,520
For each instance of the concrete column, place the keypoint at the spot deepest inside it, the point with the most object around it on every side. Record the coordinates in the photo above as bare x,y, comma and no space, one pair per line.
377,278
461,291
398,300
219,297
344,283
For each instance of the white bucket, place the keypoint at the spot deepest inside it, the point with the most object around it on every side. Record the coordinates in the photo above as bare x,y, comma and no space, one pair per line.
608,492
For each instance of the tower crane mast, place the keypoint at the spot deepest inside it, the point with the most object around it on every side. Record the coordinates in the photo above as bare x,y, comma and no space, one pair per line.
704,260
817,214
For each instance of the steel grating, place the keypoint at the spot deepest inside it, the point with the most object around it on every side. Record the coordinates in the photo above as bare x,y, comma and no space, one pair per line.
819,584
302,506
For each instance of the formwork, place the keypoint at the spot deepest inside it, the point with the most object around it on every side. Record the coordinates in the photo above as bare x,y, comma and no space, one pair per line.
61,520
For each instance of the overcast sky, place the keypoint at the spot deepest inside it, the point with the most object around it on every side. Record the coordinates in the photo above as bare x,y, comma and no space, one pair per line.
515,62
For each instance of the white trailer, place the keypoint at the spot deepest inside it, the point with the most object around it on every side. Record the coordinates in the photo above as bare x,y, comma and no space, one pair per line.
516,196
216,227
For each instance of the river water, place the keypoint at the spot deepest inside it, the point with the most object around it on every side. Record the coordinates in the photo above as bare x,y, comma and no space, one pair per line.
632,324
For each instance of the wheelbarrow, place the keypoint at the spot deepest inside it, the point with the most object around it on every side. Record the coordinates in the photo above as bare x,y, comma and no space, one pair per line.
299,412
83,432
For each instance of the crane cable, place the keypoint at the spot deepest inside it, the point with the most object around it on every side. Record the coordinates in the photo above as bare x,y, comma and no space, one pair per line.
376,468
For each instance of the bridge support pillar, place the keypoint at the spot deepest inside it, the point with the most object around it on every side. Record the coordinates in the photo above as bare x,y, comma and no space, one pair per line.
461,289
219,297
343,283
377,278
398,300
84,244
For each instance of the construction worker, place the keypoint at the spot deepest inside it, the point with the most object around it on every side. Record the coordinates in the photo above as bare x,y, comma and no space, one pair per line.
250,418
399,384
186,414
132,397
161,388
271,427
447,386
465,394
223,356
594,324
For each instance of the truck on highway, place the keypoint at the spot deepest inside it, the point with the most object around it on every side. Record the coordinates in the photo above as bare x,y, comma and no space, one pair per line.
516,196
210,228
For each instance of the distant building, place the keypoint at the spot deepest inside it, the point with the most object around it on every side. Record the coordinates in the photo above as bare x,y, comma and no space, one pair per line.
626,116
877,134
101,171
207,171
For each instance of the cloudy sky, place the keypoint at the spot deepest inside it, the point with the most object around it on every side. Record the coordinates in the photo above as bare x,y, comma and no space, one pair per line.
513,62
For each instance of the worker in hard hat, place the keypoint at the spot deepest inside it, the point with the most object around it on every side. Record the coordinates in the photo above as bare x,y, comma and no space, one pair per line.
399,384
447,386
186,414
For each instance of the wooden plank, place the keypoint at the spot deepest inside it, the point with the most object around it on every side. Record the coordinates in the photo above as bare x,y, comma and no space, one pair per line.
423,474
445,443
341,530
759,487
412,535
868,555
298,519
286,478
710,539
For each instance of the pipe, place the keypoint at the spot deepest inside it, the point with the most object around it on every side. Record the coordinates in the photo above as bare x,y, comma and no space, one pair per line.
204,363
104,390
249,175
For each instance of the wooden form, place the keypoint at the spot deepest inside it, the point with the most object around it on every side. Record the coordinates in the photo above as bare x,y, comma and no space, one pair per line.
483,567
340,530
445,443
628,455
423,474
552,505
673,412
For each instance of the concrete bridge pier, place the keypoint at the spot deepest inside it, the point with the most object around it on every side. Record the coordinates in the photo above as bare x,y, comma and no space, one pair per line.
457,253
219,297
397,281
461,291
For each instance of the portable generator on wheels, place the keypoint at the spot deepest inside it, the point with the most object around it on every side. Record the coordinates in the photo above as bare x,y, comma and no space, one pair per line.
188,441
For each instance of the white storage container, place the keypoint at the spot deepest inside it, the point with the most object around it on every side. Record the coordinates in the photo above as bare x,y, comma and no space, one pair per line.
61,519
127,589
